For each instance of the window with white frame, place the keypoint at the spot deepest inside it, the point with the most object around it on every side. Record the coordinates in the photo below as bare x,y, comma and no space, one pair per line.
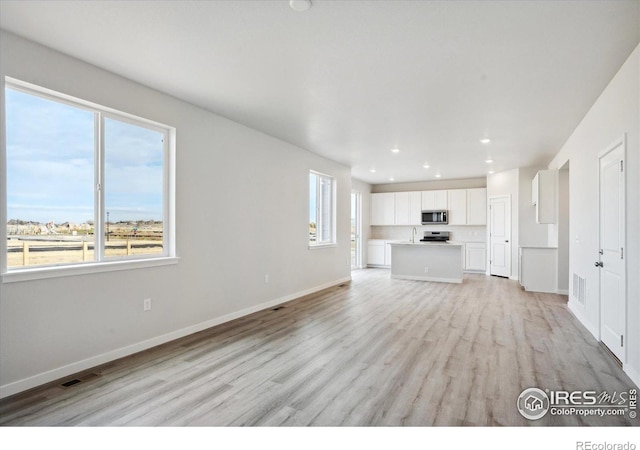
321,209
84,184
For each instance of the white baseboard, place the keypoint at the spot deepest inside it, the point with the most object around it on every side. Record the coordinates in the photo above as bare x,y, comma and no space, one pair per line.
514,278
79,366
562,291
578,313
633,374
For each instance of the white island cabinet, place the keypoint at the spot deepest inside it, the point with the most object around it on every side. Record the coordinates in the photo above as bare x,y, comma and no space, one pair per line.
428,261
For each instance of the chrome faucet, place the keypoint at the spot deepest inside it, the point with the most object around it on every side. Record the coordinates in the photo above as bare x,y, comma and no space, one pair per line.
413,235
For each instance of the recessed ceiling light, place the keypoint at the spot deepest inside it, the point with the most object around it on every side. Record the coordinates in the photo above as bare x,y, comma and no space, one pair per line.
372,170
300,5
426,166
438,175
485,140
395,150
491,172
488,161
391,179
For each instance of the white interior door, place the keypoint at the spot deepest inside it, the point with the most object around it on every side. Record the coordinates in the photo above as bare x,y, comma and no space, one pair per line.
611,259
500,236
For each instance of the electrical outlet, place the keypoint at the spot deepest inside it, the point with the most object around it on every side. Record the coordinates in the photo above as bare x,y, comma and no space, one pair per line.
426,270
146,304
266,279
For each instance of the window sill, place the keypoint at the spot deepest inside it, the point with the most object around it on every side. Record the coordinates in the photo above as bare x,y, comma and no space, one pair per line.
319,246
40,273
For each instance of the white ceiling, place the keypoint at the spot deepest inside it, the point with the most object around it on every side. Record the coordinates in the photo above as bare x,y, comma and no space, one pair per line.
352,79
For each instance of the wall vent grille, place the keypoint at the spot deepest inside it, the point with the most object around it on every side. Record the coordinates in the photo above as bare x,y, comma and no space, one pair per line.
579,288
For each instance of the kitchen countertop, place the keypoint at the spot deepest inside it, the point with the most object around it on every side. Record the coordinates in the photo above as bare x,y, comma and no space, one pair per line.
539,246
419,243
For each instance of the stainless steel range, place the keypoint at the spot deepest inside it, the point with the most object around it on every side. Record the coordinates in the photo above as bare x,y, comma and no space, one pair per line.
435,236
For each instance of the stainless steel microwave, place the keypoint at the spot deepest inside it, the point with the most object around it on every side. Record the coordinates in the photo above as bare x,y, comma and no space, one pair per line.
435,217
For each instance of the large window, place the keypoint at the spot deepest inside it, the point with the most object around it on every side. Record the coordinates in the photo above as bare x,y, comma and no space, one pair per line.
84,184
321,209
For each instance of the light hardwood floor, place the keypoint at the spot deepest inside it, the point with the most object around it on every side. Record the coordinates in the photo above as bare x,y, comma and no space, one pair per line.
374,351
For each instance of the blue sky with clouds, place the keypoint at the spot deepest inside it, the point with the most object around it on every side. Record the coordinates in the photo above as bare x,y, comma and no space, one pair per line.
50,164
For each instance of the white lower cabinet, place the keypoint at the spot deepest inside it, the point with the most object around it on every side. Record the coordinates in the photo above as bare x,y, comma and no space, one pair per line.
375,252
378,253
538,271
475,256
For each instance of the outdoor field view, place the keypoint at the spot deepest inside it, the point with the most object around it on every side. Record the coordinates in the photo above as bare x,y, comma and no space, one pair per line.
52,174
33,244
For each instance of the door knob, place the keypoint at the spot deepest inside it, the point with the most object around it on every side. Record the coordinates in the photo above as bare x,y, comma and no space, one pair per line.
599,264
507,240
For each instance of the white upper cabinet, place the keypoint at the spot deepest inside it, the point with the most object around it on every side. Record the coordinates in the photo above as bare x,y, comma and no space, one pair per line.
434,200
415,208
383,208
465,206
396,208
402,208
544,195
477,206
457,201
408,208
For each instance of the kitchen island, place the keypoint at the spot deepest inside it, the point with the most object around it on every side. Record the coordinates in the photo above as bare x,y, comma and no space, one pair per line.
427,261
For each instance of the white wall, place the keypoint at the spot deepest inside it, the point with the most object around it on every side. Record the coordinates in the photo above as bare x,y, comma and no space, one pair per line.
563,231
242,212
614,114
